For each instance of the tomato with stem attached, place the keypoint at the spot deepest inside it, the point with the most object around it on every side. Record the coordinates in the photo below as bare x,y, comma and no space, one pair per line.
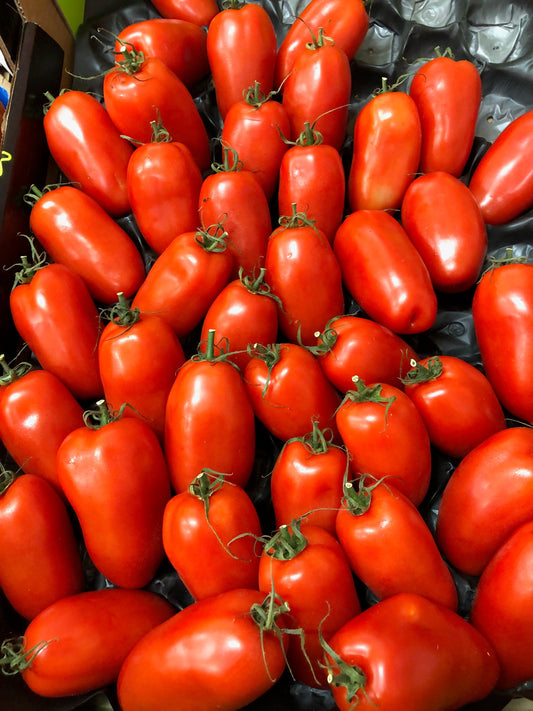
139,357
385,436
378,523
39,557
88,148
192,660
37,411
233,197
164,183
209,420
372,658
115,477
303,272
307,567
241,48
457,403
212,526
79,643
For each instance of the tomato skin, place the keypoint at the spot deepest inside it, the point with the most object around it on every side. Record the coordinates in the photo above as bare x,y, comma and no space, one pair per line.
354,345
502,304
304,171
459,406
30,429
387,125
317,91
243,314
455,664
209,424
502,182
163,187
192,547
188,662
90,634
77,232
447,93
180,44
306,481
88,148
116,480
393,531
183,281
138,365
384,273
295,392
236,200
201,12
501,609
346,21
254,131
493,483
385,436
241,48
444,222
55,315
303,272
318,585
39,558
155,93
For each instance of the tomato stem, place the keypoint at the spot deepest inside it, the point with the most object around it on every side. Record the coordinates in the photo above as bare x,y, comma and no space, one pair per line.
257,285
287,542
103,415
269,354
370,393
14,659
255,97
213,238
10,375
121,313
340,673
228,166
309,136
7,477
420,373
29,269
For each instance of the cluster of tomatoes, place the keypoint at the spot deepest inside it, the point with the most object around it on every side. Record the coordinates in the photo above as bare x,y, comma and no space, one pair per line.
165,363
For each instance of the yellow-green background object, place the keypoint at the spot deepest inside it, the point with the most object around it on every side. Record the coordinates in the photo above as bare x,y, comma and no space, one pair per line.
73,11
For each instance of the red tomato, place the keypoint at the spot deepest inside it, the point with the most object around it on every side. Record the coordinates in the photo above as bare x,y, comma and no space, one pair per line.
257,128
447,94
288,390
303,272
318,89
457,403
142,91
307,479
244,313
37,411
199,526
503,305
353,345
190,661
387,126
139,357
385,436
54,314
88,148
502,182
114,475
78,644
503,605
305,168
346,21
163,187
409,653
185,278
307,567
487,497
77,232
444,222
241,48
234,198
201,12
209,420
39,558
180,44
384,272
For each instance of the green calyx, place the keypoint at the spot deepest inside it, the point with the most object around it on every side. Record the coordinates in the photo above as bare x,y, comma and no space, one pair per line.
12,374
121,313
7,477
212,238
317,441
213,352
255,97
29,266
341,674
102,416
420,373
320,40
287,542
269,354
232,4
230,161
256,284
370,393
14,659
296,219
309,136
